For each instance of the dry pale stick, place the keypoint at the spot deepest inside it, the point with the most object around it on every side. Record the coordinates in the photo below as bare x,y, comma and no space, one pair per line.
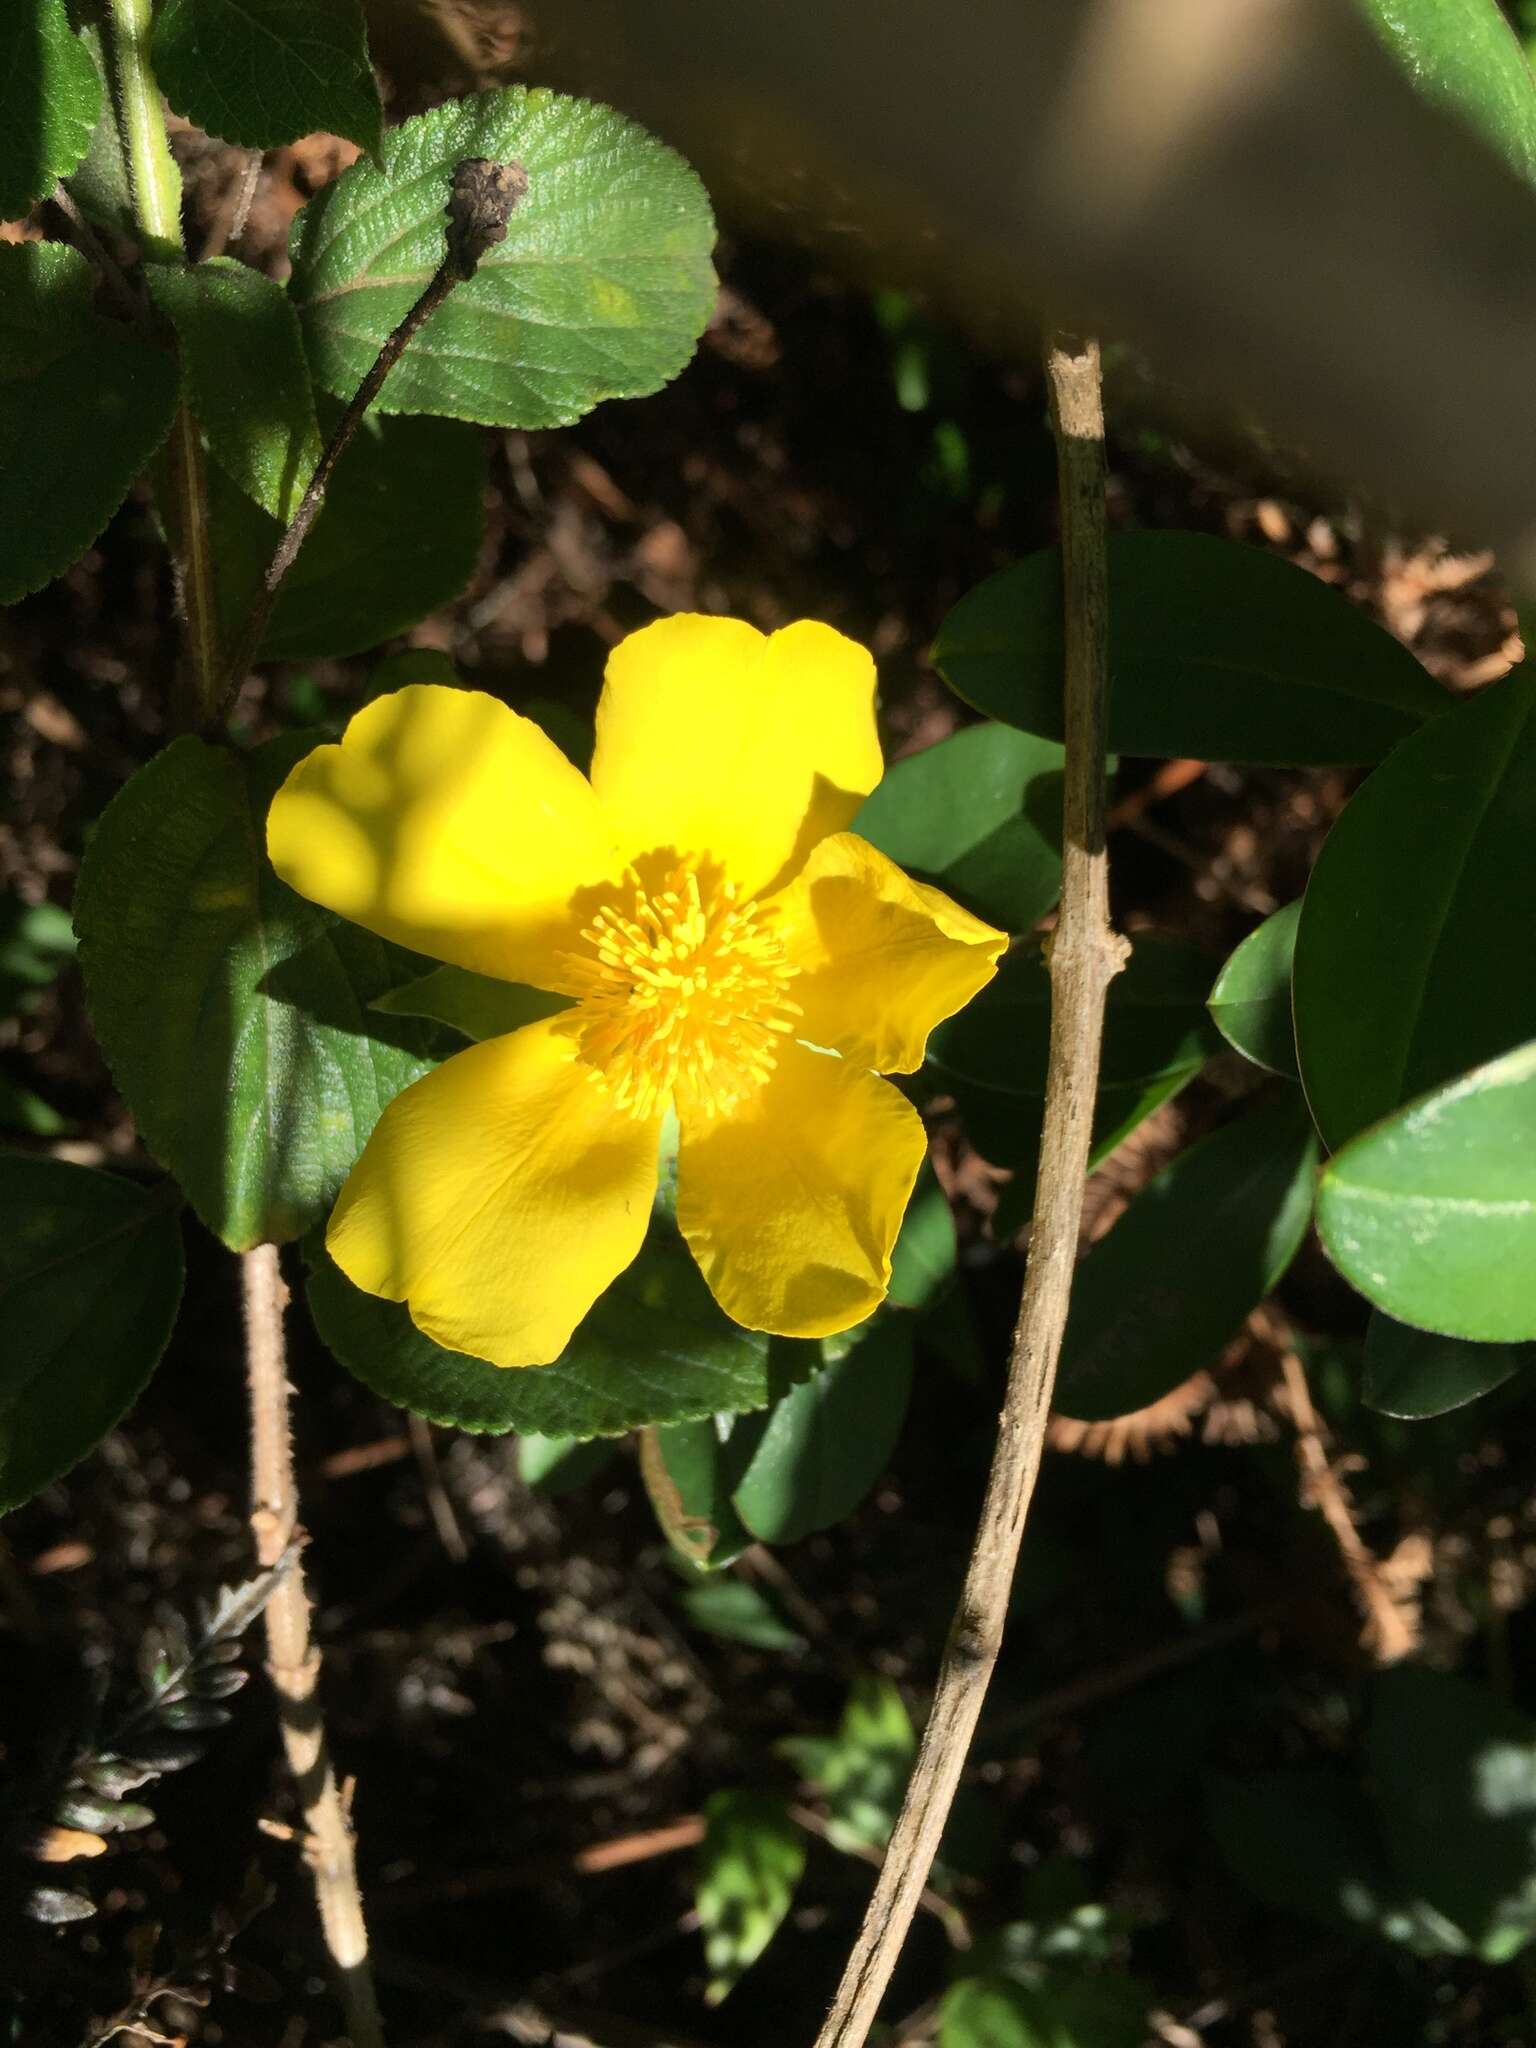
1085,956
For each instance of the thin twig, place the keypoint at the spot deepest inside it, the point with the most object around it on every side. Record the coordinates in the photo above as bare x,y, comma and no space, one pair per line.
439,1506
1085,955
484,194
293,1662
235,213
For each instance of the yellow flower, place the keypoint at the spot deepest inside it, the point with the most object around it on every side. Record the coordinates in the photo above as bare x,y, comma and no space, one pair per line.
734,954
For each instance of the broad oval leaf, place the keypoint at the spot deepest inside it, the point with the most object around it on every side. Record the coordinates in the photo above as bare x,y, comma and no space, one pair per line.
90,1281
84,404
1432,1213
262,75
750,1861
235,1016
654,1349
50,101
1251,1001
1195,1252
689,1469
1465,55
600,290
980,814
1216,650
1416,1373
828,1440
398,537
247,381
1416,952
992,1055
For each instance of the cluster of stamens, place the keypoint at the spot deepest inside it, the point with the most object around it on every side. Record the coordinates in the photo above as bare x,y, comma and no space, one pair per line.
682,994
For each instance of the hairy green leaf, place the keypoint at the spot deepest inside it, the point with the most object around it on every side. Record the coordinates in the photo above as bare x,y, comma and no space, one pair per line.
50,100
265,72
1416,952
1216,650
235,1016
1198,1248
246,378
90,1281
600,290
84,404
1432,1214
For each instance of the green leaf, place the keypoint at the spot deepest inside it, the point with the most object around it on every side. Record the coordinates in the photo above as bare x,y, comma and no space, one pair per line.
1432,1214
690,1469
398,537
1200,1246
90,1281
1414,1373
980,815
654,1348
84,404
731,1608
992,1056
37,943
1454,1772
827,1441
750,1861
246,378
234,1015
264,72
50,100
1464,55
600,290
1216,650
923,1257
862,1770
22,1110
1060,2009
559,1464
1309,1842
1416,954
1251,1002
474,1004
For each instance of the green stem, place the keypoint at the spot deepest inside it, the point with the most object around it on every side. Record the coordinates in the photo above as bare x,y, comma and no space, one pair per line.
178,475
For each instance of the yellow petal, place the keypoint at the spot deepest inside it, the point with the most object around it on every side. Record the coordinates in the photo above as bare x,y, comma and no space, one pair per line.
716,739
792,1206
447,822
882,958
498,1197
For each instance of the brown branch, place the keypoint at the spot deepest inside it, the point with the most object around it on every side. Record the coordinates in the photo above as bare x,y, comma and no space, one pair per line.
293,1662
235,213
1085,956
484,194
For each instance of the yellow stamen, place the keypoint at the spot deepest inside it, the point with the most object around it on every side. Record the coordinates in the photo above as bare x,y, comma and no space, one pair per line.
682,994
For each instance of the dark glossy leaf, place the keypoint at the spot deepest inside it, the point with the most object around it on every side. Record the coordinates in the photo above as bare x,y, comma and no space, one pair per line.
246,379
235,1016
90,1281
1432,1214
992,1056
600,290
828,1440
50,100
980,815
84,404
1454,1772
1216,650
750,1861
375,562
1464,55
1198,1248
1416,954
1251,1001
655,1348
923,1257
1414,1373
690,1470
265,72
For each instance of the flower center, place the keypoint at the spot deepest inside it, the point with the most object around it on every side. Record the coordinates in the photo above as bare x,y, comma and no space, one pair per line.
682,996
